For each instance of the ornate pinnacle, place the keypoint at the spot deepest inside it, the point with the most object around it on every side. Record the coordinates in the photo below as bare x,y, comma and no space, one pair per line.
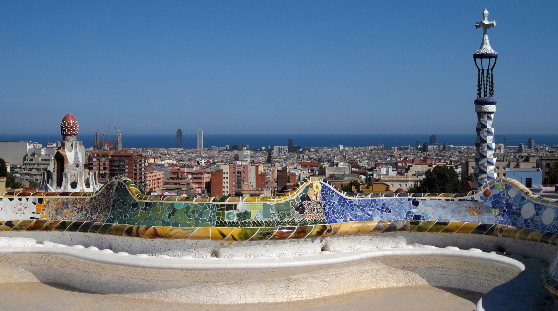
485,47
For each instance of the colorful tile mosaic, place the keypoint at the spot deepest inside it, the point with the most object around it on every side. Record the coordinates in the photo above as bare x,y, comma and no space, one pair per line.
502,202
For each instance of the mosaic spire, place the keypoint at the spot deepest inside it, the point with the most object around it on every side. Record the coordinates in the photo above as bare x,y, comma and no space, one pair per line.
485,107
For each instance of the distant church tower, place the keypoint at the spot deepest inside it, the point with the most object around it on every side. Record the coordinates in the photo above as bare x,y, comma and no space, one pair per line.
485,107
69,173
119,142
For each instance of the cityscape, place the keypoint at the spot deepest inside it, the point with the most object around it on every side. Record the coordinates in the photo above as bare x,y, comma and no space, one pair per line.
274,170
322,191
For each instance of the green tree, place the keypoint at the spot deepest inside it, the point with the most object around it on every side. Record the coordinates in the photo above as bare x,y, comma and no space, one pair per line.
11,182
440,179
3,168
349,187
551,177
33,184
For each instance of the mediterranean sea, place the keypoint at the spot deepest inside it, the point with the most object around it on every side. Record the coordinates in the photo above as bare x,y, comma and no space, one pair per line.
257,141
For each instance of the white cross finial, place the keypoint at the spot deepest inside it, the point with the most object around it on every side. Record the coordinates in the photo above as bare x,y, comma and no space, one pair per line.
485,24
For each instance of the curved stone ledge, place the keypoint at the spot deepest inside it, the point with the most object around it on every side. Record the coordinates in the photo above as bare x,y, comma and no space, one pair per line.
225,281
325,258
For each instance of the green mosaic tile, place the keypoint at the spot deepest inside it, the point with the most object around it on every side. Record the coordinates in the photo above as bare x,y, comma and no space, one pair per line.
36,225
467,227
483,229
414,224
453,226
104,228
22,225
243,234
117,230
554,240
535,236
438,226
63,225
545,238
8,225
50,225
508,231
424,226
74,226
523,233
95,227
264,234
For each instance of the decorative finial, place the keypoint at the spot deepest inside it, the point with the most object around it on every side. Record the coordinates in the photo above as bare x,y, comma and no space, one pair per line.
485,45
69,125
485,23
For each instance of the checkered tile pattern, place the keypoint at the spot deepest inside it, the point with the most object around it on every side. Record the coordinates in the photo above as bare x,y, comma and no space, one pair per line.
485,162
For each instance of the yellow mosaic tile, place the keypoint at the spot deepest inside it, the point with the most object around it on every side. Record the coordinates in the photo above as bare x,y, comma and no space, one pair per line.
535,236
317,231
468,227
356,227
523,233
157,232
218,233
344,228
180,233
283,233
438,226
117,229
368,226
202,233
36,225
424,226
453,226
334,228
264,234
242,234
50,225
301,232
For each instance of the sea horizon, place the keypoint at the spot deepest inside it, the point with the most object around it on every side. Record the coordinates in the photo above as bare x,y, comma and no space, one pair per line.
257,141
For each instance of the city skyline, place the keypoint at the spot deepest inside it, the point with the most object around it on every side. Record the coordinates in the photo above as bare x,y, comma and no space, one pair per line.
289,67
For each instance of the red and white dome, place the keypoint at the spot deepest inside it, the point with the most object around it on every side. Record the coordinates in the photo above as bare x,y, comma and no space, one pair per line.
69,126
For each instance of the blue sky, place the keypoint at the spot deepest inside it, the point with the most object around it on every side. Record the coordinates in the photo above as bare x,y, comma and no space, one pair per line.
243,67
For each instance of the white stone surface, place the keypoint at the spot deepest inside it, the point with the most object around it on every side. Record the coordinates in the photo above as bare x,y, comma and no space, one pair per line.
485,108
261,271
255,280
17,242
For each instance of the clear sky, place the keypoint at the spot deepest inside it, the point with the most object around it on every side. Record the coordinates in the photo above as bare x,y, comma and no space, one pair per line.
284,67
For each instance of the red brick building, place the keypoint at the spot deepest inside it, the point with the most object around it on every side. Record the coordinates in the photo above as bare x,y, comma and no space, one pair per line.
111,164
